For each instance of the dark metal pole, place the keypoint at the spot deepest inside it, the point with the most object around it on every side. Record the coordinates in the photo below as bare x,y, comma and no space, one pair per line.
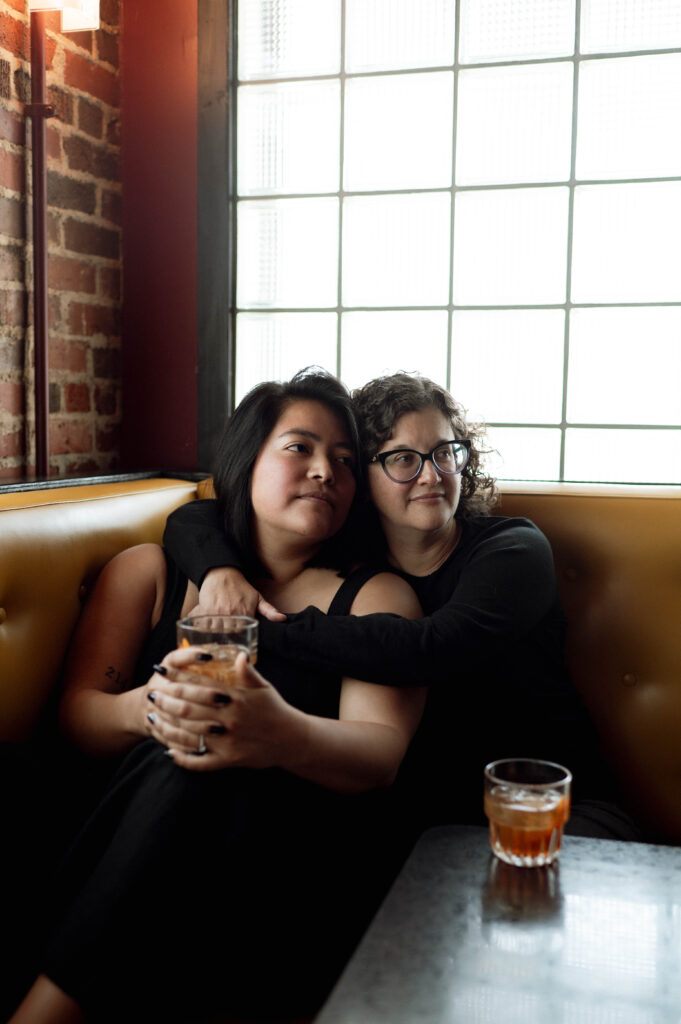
39,111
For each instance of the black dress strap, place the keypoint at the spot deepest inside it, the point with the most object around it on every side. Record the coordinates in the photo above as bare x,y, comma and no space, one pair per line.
349,588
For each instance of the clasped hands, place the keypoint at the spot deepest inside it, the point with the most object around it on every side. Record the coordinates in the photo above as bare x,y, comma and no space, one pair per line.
245,725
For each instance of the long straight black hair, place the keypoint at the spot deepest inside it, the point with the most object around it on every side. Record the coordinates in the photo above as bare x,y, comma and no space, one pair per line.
248,428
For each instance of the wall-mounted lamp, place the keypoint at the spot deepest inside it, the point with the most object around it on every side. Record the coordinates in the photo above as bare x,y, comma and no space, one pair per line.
76,16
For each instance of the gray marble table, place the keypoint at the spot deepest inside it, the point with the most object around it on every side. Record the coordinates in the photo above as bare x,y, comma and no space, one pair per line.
462,937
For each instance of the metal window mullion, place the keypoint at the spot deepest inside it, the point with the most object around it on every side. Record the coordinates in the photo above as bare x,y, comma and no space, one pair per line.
570,229
455,118
341,193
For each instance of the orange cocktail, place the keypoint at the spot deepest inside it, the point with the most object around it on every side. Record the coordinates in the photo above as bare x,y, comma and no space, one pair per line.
222,636
527,803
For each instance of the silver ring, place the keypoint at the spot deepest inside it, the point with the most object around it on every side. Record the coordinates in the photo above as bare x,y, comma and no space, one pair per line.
203,749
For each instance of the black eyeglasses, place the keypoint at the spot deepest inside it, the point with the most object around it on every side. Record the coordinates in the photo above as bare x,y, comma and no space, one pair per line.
404,464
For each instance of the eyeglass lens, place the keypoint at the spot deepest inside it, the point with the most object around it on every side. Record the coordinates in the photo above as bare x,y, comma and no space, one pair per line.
448,459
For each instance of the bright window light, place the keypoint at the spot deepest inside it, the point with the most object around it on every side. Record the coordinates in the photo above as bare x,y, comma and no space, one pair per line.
485,192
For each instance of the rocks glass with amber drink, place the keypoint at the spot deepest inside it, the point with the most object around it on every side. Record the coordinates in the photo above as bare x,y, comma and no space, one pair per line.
527,803
223,636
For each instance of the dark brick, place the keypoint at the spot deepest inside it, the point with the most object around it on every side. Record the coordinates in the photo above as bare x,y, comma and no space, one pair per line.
106,400
80,236
55,397
112,206
70,194
54,228
109,12
63,103
87,156
90,118
22,85
5,80
107,363
53,144
107,47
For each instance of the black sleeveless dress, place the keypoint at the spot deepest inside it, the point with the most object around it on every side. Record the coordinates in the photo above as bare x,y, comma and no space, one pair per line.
239,890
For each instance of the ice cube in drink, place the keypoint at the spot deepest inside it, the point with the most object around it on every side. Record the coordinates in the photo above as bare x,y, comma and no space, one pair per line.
526,825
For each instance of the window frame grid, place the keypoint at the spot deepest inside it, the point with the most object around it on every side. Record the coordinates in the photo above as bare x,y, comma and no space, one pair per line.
571,183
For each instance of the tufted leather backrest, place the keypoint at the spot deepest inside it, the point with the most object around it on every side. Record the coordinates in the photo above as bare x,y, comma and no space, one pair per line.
618,561
53,542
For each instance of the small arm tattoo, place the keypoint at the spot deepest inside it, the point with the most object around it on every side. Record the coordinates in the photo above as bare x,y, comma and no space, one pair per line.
117,680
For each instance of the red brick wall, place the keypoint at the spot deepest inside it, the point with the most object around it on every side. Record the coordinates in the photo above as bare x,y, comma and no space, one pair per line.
84,246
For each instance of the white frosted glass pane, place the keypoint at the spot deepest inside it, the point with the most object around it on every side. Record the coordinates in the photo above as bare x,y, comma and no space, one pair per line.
626,243
274,346
524,453
383,35
276,124
380,114
507,365
287,253
377,343
623,456
629,112
514,124
396,250
625,365
502,29
279,38
609,26
510,246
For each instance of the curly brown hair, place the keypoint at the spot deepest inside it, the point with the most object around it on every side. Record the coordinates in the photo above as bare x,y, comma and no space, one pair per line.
381,402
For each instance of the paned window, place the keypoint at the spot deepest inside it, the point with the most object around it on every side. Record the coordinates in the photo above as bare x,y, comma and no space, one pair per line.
487,192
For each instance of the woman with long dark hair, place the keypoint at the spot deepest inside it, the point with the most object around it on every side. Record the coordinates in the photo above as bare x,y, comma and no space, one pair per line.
241,846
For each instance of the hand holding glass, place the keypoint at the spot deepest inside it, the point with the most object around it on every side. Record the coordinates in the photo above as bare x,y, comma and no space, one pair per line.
222,636
527,803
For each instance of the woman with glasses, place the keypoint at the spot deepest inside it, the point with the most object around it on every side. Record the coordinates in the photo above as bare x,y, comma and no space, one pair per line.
491,641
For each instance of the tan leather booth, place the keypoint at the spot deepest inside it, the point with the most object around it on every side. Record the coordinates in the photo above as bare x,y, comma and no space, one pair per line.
618,561
53,542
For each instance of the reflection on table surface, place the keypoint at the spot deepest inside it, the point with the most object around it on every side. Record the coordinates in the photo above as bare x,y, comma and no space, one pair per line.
594,939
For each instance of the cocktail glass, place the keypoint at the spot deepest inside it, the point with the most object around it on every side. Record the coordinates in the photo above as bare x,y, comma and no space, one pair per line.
222,636
527,803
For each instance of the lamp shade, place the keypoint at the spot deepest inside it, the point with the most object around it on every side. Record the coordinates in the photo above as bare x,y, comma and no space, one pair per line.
76,15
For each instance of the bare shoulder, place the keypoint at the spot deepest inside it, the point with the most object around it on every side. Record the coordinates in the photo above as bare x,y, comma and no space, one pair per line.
387,592
143,561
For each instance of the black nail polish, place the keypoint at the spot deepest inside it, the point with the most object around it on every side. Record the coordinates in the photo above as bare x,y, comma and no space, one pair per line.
222,698
151,697
217,730
204,656
161,669
152,718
